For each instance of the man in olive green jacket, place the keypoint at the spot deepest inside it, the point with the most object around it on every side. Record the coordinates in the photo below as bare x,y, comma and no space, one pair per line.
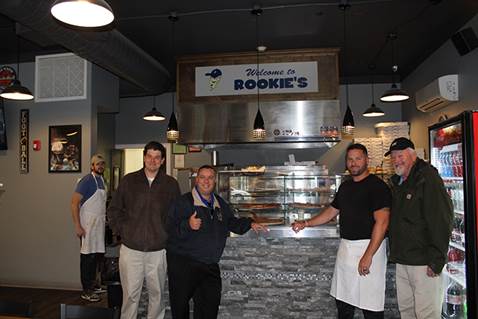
420,229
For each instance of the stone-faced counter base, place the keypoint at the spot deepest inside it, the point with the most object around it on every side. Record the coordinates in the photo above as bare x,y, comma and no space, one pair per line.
282,278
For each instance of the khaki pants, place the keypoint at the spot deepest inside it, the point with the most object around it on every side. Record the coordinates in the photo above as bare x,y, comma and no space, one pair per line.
134,267
419,296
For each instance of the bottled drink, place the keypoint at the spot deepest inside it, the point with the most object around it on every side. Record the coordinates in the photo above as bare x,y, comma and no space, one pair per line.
461,229
454,301
456,258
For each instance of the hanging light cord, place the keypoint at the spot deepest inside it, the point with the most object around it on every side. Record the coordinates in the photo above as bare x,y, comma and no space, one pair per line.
344,6
173,18
18,58
257,57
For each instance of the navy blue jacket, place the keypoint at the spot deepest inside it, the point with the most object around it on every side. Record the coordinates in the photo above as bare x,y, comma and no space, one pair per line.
207,243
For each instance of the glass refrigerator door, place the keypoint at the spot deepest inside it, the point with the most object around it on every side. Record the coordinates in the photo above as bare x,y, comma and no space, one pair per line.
446,154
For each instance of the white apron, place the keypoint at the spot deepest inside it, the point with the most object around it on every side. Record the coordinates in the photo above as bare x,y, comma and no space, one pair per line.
92,219
365,292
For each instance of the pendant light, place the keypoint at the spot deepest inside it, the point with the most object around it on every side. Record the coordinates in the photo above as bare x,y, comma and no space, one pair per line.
83,13
172,133
258,131
348,124
16,91
154,114
373,110
394,94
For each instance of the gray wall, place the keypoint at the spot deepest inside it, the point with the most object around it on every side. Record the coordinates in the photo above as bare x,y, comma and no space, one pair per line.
445,60
39,247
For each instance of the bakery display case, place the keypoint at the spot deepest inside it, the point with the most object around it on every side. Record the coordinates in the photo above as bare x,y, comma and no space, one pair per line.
279,195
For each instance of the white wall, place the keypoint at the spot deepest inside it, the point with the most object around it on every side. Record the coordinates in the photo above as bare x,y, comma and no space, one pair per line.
445,60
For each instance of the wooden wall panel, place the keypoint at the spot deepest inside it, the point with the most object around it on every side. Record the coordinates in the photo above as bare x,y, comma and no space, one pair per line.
327,69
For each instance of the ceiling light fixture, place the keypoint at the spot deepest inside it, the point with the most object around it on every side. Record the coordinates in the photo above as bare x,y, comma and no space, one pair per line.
373,110
172,133
83,13
348,124
394,94
154,114
259,130
16,91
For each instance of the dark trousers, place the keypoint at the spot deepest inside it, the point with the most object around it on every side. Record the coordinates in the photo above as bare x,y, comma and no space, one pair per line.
346,311
188,279
88,268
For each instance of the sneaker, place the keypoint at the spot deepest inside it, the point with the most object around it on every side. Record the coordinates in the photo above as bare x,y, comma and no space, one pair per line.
99,290
90,296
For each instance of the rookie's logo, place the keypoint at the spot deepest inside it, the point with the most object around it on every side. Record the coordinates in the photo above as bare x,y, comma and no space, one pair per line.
214,78
7,75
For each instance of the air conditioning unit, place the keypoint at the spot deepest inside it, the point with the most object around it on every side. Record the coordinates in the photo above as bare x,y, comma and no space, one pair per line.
439,93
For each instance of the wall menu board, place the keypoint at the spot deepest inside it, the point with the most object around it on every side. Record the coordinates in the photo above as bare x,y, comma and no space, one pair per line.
3,128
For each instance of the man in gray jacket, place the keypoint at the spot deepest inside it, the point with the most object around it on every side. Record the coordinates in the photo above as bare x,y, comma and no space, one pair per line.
138,213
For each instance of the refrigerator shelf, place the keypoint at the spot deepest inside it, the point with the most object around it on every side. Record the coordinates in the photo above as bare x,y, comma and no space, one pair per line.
459,277
459,212
451,148
458,246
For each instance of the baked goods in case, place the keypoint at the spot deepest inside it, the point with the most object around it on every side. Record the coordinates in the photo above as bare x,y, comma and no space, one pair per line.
254,169
306,205
260,206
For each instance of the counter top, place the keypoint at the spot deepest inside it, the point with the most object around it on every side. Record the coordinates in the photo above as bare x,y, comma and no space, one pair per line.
283,231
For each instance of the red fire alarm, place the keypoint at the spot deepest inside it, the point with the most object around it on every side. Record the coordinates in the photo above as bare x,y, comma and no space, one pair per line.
36,145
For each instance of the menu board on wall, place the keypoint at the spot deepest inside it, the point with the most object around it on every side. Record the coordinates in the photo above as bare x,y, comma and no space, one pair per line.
24,135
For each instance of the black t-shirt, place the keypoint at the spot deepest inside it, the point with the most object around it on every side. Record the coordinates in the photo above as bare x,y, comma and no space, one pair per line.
357,201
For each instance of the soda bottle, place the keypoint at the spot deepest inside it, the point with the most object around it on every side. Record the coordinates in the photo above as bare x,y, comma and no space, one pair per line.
454,301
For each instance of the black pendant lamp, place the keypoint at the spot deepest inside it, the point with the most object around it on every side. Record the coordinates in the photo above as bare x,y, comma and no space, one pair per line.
16,91
348,124
373,110
154,114
172,133
83,13
259,130
394,94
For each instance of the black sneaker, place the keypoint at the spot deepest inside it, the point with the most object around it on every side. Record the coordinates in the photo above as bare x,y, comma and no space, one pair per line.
90,296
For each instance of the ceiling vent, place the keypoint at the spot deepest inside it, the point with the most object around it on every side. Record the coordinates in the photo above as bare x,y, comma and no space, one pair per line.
438,94
60,77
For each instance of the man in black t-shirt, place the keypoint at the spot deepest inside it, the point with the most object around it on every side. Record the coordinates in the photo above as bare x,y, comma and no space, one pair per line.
364,205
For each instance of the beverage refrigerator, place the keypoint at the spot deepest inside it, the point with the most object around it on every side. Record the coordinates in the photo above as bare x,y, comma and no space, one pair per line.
454,152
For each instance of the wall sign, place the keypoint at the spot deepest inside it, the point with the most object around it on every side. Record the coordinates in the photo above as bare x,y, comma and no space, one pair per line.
24,137
7,75
242,79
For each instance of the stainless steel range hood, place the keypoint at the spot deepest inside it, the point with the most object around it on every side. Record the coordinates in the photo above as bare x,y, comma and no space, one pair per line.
291,122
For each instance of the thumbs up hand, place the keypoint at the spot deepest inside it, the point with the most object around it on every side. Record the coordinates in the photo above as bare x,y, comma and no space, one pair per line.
194,222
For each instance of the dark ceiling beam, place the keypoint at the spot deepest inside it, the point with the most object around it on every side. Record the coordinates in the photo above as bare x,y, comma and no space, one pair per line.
106,48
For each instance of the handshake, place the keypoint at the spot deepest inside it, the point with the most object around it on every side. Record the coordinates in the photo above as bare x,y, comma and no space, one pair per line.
297,226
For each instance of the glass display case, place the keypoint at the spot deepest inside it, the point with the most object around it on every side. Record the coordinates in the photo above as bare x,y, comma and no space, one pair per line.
279,195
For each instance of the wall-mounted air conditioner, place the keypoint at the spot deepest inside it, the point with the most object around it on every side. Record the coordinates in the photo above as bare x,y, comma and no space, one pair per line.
439,93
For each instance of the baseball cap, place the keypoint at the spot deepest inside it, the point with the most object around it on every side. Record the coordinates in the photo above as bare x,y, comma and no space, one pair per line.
400,144
97,158
214,73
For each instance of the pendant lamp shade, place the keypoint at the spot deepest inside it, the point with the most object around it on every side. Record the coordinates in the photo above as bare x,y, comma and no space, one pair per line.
17,91
373,111
172,133
394,94
348,124
259,131
83,13
154,115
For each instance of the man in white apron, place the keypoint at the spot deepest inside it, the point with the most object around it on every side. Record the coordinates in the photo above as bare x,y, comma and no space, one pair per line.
363,203
88,208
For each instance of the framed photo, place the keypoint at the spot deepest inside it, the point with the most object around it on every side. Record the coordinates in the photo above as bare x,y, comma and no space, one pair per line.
64,154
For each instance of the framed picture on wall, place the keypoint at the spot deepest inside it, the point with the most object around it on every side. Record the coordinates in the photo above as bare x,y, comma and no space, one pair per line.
64,154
